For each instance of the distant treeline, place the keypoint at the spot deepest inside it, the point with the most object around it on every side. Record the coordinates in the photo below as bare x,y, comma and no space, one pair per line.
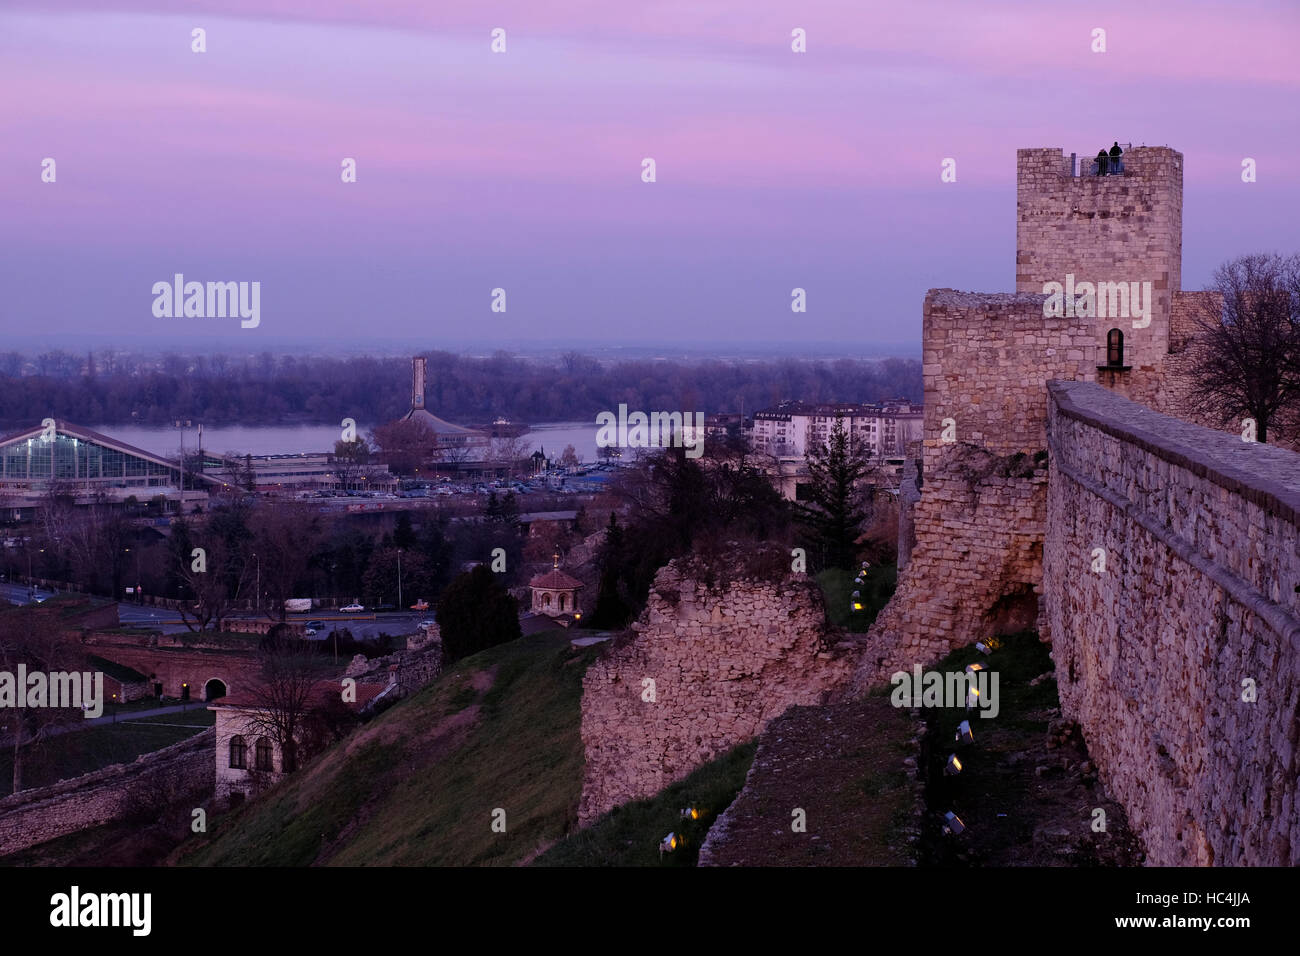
109,389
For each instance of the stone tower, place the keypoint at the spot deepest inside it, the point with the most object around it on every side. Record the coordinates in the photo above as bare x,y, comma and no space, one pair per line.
1119,228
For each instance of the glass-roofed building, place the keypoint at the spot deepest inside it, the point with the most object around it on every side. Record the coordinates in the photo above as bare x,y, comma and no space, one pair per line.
87,464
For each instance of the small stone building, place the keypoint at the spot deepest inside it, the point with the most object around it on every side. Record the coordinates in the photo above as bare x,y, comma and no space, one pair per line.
555,593
248,758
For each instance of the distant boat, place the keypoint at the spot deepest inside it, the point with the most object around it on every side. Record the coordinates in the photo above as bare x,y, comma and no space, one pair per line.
503,428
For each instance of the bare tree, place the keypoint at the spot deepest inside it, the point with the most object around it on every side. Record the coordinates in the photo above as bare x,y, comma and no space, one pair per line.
284,538
30,637
509,451
281,702
1247,358
236,474
352,463
406,444
217,578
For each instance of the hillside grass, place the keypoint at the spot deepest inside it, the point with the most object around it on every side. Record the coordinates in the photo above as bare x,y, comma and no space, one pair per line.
419,784
630,835
81,751
838,587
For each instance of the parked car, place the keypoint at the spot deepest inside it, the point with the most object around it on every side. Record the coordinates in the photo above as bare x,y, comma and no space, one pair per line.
424,625
352,607
310,632
316,625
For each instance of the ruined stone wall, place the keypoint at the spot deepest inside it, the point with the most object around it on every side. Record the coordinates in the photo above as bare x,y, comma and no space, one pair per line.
1201,539
182,774
909,494
985,359
725,655
976,567
1121,228
971,547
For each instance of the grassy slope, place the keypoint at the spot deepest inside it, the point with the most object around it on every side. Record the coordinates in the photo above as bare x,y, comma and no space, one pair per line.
630,835
838,587
79,752
419,784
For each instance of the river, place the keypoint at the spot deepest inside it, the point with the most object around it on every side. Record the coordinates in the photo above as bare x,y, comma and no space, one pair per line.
297,439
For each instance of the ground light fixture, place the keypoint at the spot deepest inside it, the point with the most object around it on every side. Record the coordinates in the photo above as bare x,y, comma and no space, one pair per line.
691,813
983,648
952,824
857,600
972,698
669,843
974,668
953,767
964,736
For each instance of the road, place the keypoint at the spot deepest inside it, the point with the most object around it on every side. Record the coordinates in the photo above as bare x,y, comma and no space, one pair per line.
366,624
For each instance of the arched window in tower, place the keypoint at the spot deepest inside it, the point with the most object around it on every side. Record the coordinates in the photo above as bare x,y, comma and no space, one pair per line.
1115,347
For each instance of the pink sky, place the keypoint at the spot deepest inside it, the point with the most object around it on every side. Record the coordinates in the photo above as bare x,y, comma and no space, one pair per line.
522,170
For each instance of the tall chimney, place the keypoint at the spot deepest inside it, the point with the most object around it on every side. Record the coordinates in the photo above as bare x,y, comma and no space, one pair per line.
417,382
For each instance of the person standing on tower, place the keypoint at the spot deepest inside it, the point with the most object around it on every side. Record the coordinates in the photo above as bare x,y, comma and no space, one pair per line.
1116,166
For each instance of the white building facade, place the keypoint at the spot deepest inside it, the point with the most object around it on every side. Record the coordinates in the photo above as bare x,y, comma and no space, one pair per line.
792,429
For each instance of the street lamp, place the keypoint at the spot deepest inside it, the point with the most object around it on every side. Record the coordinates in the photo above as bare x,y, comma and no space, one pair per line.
258,608
400,605
182,425
138,598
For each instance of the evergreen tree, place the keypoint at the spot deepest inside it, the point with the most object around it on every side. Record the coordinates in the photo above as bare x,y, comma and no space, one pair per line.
403,533
611,610
836,509
475,613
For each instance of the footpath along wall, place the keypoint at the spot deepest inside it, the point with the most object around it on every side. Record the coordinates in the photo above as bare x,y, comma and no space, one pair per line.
1159,652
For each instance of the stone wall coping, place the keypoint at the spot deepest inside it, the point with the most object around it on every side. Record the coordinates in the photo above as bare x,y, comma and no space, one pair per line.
205,740
1264,475
954,298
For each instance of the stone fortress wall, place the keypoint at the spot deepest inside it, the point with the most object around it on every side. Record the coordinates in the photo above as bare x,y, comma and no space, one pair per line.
180,775
1150,657
1032,457
726,656
1194,609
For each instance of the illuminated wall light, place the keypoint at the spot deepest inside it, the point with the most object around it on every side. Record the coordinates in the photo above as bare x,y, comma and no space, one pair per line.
691,813
972,698
952,824
953,766
983,648
964,736
669,843
974,668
